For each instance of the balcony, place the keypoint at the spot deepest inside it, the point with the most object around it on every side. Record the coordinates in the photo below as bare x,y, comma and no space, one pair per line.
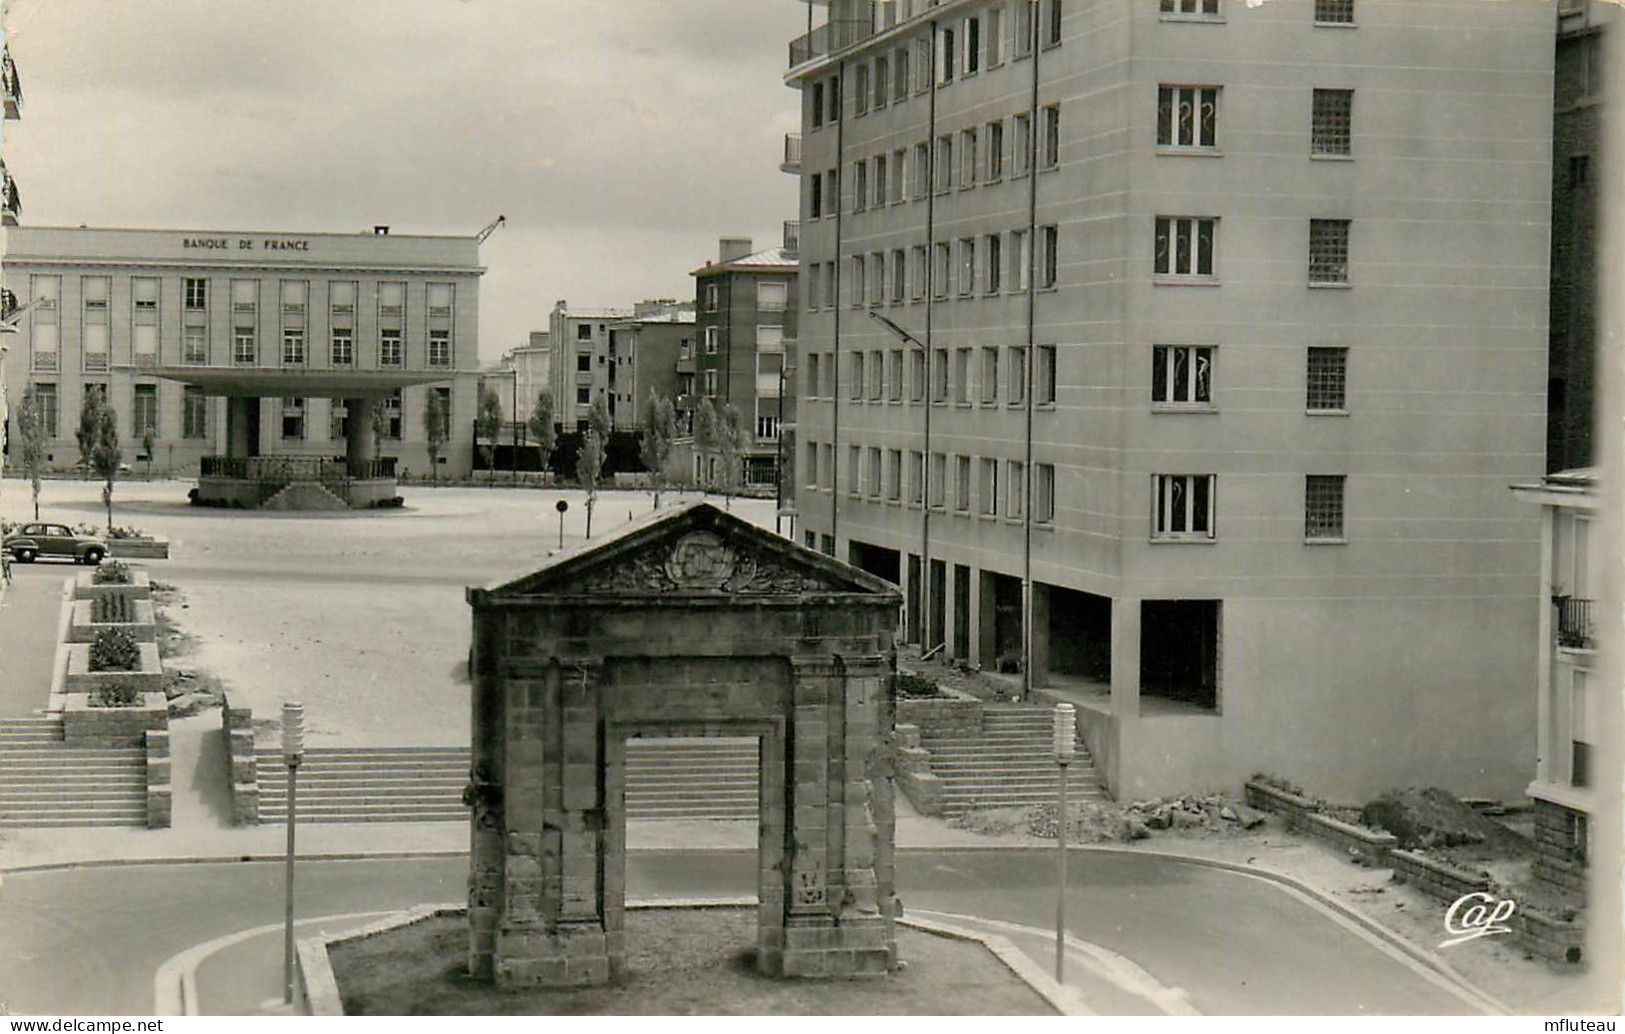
11,200
792,235
1574,627
12,84
837,34
792,154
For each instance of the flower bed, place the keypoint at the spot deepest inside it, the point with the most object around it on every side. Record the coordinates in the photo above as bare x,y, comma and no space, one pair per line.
146,677
139,585
110,610
87,725
1435,878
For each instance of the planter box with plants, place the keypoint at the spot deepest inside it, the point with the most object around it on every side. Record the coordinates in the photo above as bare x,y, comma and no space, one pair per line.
935,710
115,669
1367,846
86,723
112,611
154,548
1437,879
112,577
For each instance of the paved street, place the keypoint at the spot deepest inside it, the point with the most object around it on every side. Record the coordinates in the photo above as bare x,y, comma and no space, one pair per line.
92,940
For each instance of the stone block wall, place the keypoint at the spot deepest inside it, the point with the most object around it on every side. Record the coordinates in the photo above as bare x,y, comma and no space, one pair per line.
139,587
1560,845
84,725
160,800
1370,847
237,725
915,779
1436,879
82,628
942,717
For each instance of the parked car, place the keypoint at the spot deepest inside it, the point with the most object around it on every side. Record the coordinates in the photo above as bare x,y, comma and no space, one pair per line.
42,539
84,470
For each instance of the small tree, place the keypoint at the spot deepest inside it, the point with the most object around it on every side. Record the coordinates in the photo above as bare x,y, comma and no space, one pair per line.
435,430
488,425
542,429
105,455
590,461
32,438
654,443
705,437
90,408
730,439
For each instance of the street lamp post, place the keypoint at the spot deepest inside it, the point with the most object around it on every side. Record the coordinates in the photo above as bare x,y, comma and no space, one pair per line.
925,485
1065,727
293,751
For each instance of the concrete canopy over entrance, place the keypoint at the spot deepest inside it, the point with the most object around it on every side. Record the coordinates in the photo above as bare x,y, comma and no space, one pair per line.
689,623
254,382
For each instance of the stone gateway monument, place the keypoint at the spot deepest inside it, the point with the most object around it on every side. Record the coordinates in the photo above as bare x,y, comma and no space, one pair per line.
689,623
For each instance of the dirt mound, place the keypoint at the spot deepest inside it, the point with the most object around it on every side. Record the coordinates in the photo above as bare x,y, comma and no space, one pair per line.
1429,818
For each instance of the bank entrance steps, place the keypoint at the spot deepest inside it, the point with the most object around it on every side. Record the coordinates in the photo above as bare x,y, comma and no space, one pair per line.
44,782
665,779
1010,764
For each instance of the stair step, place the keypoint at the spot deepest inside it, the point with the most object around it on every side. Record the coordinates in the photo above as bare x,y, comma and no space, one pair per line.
45,822
119,802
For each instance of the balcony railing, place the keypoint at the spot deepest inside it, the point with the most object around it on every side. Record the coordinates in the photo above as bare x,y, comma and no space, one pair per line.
12,85
837,34
11,199
286,469
1574,627
792,153
792,235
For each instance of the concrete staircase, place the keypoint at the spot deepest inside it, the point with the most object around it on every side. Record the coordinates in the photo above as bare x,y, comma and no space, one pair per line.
1011,764
44,782
305,495
665,779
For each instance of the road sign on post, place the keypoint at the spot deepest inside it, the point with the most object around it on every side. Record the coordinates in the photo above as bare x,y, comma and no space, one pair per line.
561,506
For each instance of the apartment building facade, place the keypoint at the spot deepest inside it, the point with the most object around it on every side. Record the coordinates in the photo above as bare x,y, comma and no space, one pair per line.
1217,339
1569,692
746,311
222,343
11,95
645,352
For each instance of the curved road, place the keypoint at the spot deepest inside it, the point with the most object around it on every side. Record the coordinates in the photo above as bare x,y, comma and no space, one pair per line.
1158,931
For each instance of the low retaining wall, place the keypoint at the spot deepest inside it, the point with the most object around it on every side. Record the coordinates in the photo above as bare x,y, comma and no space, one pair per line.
84,725
941,716
160,799
1551,938
156,548
139,586
82,629
80,679
912,769
1367,846
237,724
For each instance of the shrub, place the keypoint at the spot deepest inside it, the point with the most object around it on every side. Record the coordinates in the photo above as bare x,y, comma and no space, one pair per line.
112,609
909,685
113,572
115,696
1389,813
115,649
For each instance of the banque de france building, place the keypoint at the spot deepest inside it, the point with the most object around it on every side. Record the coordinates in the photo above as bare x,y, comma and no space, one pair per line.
230,346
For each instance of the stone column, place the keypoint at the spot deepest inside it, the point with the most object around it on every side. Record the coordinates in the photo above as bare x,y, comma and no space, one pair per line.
486,823
552,931
241,413
358,441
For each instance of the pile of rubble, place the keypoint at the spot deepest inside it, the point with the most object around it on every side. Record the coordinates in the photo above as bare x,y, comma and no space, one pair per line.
1214,813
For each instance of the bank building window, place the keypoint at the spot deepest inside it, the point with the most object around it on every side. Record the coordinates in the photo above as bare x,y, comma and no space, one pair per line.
293,418
392,416
293,348
194,412
439,348
195,347
242,346
196,293
389,347
343,347
1184,247
341,297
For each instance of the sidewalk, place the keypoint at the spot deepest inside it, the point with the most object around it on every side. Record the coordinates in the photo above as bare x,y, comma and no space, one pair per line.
30,611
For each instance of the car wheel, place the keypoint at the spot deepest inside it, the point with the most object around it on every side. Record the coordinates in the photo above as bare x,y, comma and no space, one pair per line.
25,556
93,557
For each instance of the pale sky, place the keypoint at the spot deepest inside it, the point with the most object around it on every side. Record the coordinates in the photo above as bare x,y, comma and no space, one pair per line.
621,138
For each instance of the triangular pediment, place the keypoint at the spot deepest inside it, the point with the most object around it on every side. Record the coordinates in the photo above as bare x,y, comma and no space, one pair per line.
693,550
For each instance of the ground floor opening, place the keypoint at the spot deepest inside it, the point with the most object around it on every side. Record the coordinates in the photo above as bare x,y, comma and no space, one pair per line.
877,560
1179,652
1075,643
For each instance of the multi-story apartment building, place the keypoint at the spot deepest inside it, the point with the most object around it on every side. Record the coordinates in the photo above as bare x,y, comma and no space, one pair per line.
248,344
746,310
644,353
1577,111
579,362
1569,691
1218,339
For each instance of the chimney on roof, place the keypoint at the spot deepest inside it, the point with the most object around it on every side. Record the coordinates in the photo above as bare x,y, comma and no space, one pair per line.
730,248
380,231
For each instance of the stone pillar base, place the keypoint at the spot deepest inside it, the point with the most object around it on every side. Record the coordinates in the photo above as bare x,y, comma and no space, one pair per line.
573,955
864,946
